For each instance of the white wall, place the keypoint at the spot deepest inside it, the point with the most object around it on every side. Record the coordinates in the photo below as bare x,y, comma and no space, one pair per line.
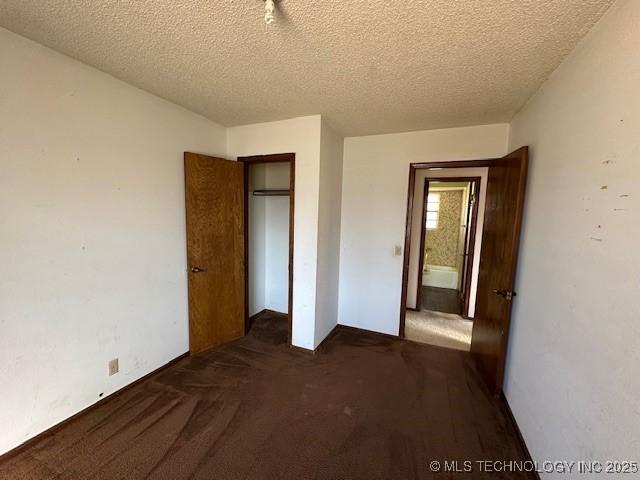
92,234
572,370
302,137
374,204
277,240
414,251
257,240
331,156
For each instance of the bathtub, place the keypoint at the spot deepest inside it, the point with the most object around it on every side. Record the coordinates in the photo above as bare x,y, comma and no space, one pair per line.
440,276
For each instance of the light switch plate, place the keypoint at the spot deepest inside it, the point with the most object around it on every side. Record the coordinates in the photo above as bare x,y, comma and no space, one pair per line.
113,367
398,250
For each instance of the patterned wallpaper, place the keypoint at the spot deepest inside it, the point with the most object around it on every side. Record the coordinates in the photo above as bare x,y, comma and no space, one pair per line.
441,244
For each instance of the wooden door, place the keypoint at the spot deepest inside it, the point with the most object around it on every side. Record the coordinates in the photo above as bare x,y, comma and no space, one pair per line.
214,190
498,257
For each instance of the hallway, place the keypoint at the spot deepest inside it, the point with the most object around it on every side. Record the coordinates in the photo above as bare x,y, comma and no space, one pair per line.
445,300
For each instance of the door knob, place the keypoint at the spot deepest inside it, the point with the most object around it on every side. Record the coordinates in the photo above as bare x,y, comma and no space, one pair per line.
197,269
505,293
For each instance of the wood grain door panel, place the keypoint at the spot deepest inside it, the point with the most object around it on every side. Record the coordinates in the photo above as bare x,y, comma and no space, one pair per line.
498,258
214,192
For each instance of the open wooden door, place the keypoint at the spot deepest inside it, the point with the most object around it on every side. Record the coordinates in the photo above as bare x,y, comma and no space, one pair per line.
214,190
500,239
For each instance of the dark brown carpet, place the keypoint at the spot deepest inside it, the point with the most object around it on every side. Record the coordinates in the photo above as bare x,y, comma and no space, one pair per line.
443,300
364,407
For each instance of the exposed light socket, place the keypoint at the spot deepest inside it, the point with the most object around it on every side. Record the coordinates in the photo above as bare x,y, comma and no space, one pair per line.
113,367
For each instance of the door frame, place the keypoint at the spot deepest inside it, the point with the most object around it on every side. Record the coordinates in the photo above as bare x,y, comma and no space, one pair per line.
413,167
253,160
470,235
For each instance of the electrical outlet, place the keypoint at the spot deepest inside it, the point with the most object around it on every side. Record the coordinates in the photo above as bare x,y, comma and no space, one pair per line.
113,366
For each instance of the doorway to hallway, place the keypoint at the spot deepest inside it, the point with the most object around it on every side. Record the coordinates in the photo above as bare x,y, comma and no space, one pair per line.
493,273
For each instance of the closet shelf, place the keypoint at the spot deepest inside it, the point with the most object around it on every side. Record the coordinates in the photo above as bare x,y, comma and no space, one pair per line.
271,193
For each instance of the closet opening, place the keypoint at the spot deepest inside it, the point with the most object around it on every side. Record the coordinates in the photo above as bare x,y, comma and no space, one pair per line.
268,220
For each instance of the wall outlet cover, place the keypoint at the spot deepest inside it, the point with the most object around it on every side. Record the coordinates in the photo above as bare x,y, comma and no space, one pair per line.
113,367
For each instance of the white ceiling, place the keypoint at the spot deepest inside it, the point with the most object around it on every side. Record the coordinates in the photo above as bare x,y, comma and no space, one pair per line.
369,66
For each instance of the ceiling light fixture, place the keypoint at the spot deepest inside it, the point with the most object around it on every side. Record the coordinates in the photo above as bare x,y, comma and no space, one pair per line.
269,9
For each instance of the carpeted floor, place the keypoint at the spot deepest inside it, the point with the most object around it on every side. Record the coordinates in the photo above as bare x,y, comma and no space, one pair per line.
439,329
365,406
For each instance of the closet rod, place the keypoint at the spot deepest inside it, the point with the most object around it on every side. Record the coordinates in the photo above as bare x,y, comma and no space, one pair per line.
271,193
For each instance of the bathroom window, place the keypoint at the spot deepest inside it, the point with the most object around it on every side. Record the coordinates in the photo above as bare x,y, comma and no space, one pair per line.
433,211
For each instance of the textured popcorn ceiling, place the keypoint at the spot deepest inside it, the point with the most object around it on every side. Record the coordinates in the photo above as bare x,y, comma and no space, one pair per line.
369,66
